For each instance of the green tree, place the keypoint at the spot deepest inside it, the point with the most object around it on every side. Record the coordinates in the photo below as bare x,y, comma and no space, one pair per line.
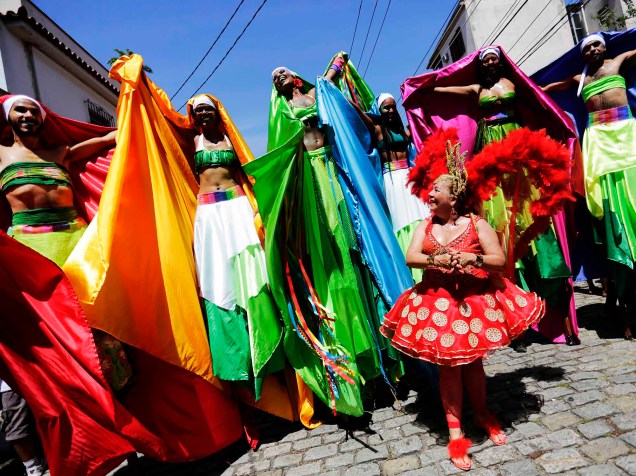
128,52
609,20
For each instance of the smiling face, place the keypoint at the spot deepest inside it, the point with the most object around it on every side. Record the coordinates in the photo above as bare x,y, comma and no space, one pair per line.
441,199
25,118
205,115
388,110
491,65
283,80
594,52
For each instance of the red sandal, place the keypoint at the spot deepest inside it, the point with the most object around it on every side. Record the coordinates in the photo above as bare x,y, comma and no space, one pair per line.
490,424
458,449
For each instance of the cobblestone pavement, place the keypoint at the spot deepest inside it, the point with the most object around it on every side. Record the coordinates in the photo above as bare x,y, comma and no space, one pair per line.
567,410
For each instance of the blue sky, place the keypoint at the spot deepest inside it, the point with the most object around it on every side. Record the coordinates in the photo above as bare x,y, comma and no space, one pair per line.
303,35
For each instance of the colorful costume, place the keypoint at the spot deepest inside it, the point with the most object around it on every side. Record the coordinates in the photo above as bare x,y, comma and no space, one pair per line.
329,247
406,210
455,317
609,155
244,326
490,119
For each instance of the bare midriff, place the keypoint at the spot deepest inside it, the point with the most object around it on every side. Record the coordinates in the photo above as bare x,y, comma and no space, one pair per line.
214,179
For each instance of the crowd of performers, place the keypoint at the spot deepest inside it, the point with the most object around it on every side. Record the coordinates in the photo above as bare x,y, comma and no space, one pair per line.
159,281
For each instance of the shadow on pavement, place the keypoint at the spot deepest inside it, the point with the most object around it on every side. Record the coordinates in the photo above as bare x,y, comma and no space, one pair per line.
507,398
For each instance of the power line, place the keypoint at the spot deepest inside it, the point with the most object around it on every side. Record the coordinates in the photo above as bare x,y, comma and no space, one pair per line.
368,30
209,49
377,38
528,28
506,25
534,48
438,35
541,34
543,38
356,27
228,51
488,41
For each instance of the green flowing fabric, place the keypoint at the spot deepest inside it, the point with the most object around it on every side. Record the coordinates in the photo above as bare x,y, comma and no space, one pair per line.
307,223
241,349
351,84
404,237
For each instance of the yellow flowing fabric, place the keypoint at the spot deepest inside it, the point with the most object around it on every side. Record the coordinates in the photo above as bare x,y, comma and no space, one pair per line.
134,270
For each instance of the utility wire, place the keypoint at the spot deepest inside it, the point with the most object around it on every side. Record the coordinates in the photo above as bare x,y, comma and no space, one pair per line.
542,41
376,39
368,30
528,28
228,51
438,34
356,28
506,25
488,40
543,36
209,49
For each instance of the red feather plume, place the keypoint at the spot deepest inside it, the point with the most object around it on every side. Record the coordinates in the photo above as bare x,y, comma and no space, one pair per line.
522,158
430,162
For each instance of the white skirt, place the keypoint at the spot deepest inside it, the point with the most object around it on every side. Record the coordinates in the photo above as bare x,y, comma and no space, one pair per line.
405,207
222,230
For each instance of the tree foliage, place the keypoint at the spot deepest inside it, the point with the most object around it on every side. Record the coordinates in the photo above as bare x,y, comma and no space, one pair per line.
126,52
610,20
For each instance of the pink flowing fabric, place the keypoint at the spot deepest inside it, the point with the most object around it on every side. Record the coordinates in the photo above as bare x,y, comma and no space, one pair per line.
428,111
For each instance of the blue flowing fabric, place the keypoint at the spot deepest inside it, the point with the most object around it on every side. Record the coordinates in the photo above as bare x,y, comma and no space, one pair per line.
572,63
586,263
365,199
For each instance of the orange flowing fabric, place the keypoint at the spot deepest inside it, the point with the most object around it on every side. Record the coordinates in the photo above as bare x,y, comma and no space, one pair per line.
134,270
134,274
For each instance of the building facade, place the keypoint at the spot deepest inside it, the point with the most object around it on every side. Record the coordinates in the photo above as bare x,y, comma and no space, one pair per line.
533,33
39,59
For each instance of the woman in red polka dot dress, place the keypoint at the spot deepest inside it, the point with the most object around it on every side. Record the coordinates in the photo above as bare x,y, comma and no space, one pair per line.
462,310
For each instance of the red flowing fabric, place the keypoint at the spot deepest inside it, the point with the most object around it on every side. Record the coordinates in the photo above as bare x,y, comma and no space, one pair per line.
47,354
169,413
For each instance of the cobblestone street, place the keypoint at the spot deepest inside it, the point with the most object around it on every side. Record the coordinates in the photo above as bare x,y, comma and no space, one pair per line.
567,410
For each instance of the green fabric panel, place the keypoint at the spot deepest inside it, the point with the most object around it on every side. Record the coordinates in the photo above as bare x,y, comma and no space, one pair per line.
619,204
55,245
44,216
263,319
404,237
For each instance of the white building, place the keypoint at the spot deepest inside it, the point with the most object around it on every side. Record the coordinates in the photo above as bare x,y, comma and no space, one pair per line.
533,33
39,59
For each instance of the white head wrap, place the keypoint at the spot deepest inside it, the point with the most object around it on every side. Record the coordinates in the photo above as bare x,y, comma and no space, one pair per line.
276,70
202,99
383,97
491,49
8,104
591,39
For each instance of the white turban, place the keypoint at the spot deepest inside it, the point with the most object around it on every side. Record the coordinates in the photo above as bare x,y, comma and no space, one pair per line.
8,104
286,70
591,39
383,97
202,99
491,49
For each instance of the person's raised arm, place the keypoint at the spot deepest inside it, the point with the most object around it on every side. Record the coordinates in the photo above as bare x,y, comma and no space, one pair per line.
458,90
365,118
562,85
627,59
90,147
336,67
